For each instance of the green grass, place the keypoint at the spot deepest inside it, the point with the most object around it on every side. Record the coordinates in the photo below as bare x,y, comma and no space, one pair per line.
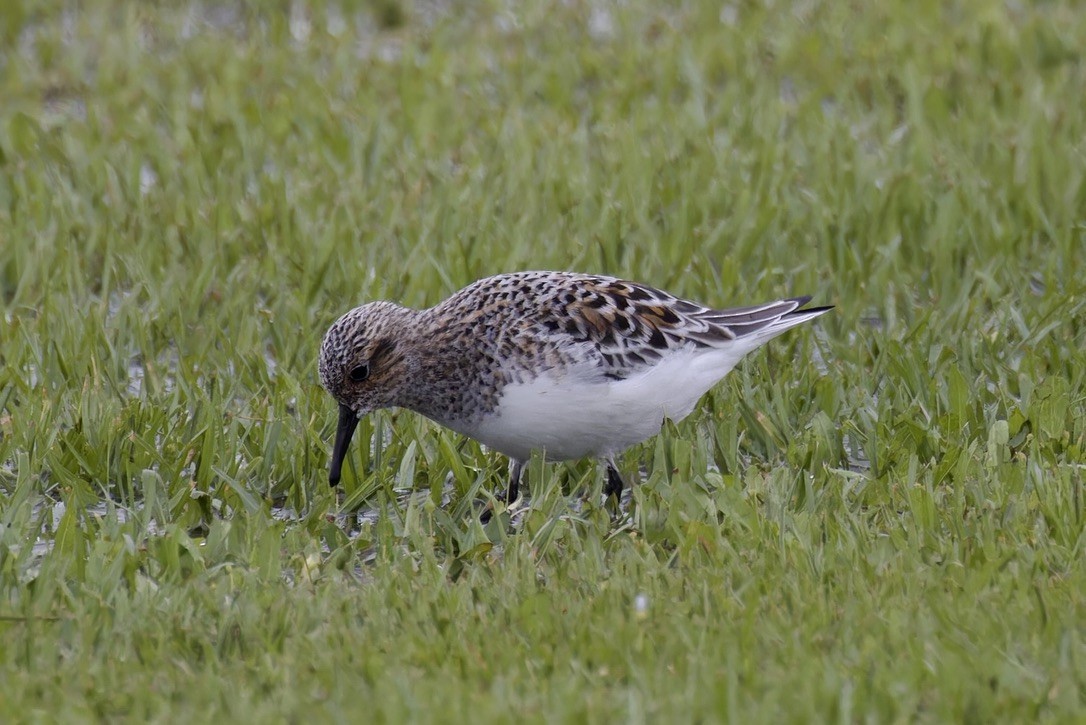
877,518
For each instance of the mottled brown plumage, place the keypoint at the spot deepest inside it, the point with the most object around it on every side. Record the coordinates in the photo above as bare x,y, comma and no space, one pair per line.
553,336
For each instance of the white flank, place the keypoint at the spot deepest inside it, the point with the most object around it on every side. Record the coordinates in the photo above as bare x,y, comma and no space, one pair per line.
568,416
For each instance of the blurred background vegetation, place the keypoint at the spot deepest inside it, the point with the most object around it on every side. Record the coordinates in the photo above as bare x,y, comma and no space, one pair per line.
877,518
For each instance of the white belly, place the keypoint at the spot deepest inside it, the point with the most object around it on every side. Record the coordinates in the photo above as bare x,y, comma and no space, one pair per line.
568,417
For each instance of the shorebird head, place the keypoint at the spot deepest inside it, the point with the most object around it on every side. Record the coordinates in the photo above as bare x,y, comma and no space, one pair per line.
362,365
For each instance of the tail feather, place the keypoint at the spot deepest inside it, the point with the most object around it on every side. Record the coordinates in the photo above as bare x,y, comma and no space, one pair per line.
764,321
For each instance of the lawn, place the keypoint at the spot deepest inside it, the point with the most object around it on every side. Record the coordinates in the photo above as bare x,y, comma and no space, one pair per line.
879,517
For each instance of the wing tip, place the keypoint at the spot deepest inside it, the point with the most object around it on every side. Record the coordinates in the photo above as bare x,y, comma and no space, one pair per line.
806,311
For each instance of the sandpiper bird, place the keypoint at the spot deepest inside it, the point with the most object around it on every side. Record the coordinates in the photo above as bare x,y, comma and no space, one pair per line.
573,365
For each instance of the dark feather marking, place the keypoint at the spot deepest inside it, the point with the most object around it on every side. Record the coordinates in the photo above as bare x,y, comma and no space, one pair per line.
597,302
749,328
383,348
657,339
669,316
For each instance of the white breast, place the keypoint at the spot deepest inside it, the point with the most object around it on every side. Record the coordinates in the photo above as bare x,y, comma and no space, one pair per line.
572,416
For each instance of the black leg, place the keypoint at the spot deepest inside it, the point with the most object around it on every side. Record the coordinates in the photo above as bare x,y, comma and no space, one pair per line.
613,485
511,493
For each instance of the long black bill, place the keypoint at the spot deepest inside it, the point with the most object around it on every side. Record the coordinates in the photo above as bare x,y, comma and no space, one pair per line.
348,421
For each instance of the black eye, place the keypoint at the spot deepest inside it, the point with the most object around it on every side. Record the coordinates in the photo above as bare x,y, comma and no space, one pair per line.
359,373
